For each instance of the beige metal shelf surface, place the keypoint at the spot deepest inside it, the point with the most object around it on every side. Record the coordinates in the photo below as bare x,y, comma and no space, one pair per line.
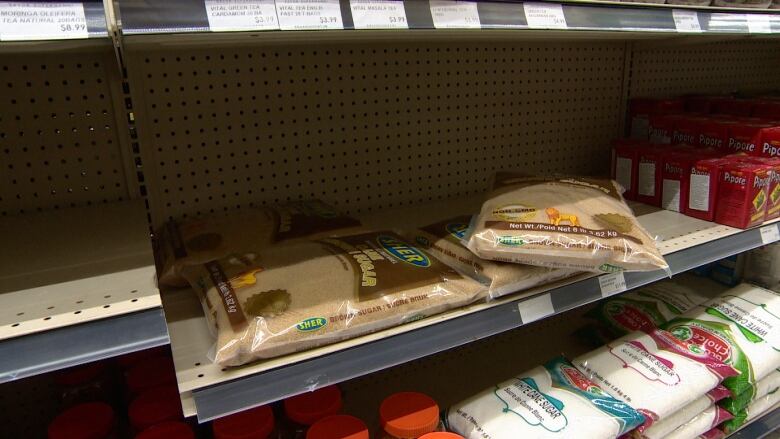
67,273
209,383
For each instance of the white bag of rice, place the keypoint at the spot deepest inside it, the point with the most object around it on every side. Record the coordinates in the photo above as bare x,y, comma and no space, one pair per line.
653,372
296,296
755,409
444,240
701,423
550,401
742,328
562,222
201,240
664,426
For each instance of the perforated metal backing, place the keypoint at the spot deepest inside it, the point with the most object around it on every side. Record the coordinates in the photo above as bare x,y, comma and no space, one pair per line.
59,138
366,125
745,65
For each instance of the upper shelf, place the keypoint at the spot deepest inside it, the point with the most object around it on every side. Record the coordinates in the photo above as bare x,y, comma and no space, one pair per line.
64,20
687,242
177,16
78,283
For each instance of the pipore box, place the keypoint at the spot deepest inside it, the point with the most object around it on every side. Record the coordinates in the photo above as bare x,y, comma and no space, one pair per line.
713,133
650,161
742,194
745,137
640,110
625,160
769,143
773,192
703,188
685,129
675,177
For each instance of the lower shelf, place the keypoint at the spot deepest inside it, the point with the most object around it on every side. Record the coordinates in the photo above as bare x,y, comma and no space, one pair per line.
216,392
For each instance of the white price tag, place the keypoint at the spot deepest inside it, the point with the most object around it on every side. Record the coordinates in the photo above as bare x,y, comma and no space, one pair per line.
544,16
686,21
232,15
758,24
454,14
42,21
770,234
612,284
378,14
309,14
535,308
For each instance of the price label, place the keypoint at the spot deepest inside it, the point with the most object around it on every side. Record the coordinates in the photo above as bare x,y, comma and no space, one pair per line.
770,234
758,24
535,308
309,14
42,21
686,21
454,14
378,14
233,15
544,16
612,284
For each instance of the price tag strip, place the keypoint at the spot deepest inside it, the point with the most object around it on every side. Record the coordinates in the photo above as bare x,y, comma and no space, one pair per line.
42,21
378,14
758,24
235,15
535,308
686,21
612,284
544,16
309,14
770,234
454,14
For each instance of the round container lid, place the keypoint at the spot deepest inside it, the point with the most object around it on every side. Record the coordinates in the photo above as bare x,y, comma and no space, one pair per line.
409,414
310,407
338,427
256,423
79,374
441,435
92,420
155,406
167,430
150,373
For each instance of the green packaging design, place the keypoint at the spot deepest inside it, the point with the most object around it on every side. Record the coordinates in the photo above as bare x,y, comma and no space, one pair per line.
764,386
752,411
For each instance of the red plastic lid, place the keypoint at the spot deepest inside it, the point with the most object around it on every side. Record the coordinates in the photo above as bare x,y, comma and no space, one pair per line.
92,420
338,427
310,407
167,430
79,374
150,373
256,423
409,414
155,406
129,360
441,435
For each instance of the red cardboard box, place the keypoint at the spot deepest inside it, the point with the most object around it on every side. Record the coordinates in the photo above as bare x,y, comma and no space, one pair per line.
733,106
650,162
685,129
713,133
699,104
625,158
769,143
640,110
767,109
773,203
742,194
703,188
745,137
661,128
675,177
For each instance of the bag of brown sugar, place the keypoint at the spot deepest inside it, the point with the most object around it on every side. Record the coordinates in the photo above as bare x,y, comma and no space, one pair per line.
297,296
563,222
206,239
445,240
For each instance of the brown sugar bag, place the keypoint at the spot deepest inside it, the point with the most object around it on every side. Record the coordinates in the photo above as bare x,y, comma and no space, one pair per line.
564,222
206,239
296,296
444,240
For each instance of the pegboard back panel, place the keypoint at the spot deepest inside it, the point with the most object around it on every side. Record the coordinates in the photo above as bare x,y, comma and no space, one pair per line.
62,143
743,65
366,125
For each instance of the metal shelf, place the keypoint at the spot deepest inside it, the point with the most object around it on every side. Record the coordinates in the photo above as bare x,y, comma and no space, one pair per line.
686,242
761,427
85,19
186,16
76,285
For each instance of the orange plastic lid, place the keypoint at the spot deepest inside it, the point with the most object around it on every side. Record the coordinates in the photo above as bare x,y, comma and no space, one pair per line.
167,430
441,435
310,407
93,420
155,406
256,423
409,414
338,427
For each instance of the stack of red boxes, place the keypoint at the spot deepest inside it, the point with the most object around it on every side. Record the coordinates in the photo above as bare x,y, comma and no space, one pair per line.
712,158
